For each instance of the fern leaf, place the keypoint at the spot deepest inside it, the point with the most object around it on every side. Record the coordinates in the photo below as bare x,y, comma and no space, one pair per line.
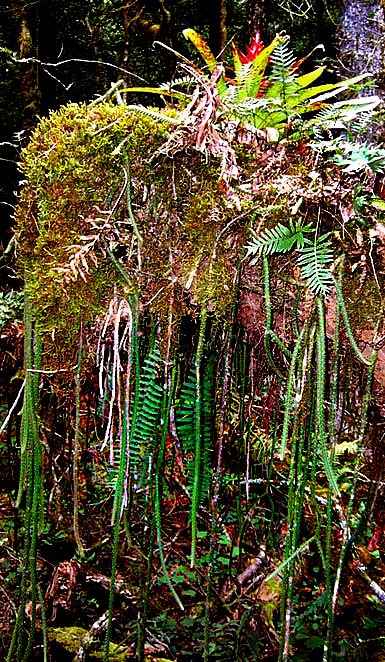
251,75
187,424
282,61
279,239
283,75
314,261
144,432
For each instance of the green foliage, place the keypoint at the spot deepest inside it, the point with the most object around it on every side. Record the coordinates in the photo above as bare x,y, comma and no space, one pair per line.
268,89
186,420
279,239
249,76
314,258
11,306
144,432
150,226
353,157
282,64
315,261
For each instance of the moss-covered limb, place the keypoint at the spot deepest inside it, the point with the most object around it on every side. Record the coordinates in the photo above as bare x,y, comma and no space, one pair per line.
70,173
73,215
83,643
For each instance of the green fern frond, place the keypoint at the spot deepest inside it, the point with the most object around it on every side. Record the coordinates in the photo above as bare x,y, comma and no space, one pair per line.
145,429
187,424
279,239
282,60
153,113
356,157
314,261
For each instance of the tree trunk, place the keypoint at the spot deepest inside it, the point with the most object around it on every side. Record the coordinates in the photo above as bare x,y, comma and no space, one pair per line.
26,21
258,18
360,39
215,11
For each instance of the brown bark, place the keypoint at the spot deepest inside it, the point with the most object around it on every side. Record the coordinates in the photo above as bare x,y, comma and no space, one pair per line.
258,18
216,14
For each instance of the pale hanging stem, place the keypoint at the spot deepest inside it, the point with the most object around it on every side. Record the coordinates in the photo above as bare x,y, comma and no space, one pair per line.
4,425
33,60
118,383
170,312
115,373
287,621
100,354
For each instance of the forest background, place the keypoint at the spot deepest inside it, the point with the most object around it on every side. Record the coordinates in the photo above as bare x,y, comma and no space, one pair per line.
269,545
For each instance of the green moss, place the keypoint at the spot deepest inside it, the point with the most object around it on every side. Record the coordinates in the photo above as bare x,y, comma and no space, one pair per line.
176,234
73,209
70,638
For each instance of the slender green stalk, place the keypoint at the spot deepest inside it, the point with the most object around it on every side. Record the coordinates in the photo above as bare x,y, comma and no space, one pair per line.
218,471
349,510
335,372
198,434
131,216
166,404
206,629
31,473
43,624
269,317
278,341
142,622
77,447
291,526
117,511
294,311
241,430
33,550
348,327
329,511
289,390
321,370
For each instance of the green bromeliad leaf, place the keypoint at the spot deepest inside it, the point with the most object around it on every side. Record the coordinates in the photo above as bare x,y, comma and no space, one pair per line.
249,76
201,46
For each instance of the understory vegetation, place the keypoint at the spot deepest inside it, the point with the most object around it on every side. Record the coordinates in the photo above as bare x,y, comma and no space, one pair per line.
193,421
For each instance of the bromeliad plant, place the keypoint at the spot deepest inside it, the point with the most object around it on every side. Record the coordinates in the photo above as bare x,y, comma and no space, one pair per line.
268,90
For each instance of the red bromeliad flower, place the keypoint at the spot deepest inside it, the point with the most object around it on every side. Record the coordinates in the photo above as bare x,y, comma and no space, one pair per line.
251,51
